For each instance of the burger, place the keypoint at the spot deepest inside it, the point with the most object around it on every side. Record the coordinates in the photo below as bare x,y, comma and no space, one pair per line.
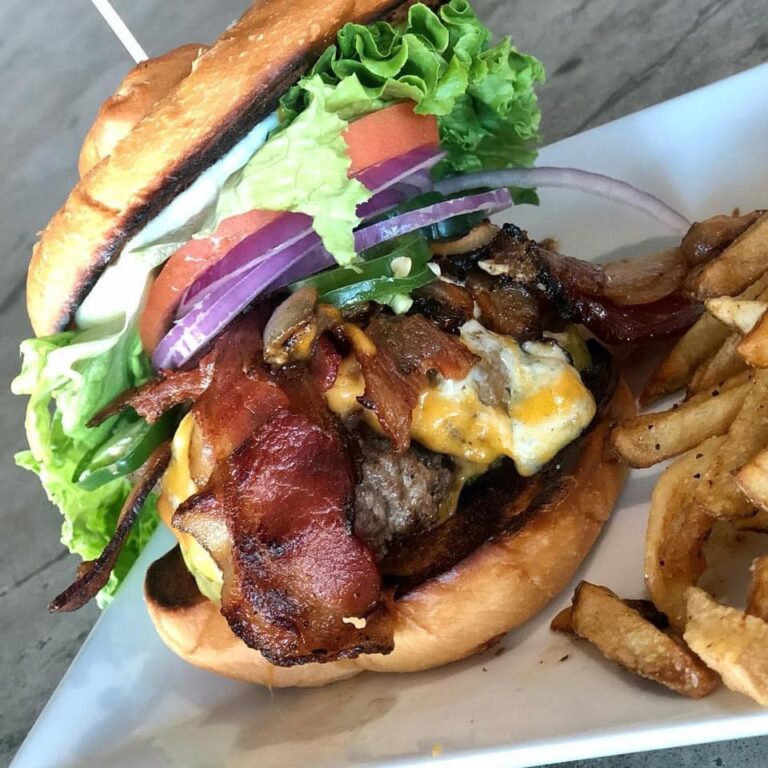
274,314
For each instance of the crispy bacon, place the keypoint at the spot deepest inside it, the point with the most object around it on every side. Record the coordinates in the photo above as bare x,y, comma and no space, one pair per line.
406,350
158,396
625,324
239,348
275,520
93,575
575,289
239,398
324,364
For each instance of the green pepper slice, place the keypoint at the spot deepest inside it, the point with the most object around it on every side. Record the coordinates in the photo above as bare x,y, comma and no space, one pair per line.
376,263
382,290
125,450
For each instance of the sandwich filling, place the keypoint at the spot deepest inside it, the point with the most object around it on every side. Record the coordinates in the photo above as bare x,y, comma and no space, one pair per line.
474,99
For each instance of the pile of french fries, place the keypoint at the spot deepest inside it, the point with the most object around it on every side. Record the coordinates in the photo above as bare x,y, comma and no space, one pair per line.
719,436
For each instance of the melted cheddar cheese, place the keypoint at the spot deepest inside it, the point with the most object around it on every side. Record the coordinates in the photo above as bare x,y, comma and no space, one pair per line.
522,402
178,486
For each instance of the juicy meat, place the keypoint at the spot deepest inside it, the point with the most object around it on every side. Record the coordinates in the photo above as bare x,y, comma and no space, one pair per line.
397,494
506,307
573,288
447,305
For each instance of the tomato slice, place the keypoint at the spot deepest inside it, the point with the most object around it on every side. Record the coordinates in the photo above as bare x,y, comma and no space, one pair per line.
372,139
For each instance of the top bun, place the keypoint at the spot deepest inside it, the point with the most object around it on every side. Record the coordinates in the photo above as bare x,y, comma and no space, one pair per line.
145,85
233,86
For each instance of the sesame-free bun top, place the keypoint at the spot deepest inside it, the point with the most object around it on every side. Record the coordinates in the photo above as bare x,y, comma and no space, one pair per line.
232,86
140,90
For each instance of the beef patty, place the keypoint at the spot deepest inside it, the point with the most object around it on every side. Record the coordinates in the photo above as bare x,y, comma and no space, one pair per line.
397,494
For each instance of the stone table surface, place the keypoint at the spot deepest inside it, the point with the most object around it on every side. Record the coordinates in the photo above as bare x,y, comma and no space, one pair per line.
58,61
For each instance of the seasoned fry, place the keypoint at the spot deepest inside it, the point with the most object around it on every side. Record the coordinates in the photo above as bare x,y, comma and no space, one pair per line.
752,478
724,364
719,494
623,635
677,530
757,599
730,642
649,612
651,438
755,523
754,347
563,622
698,344
738,314
740,264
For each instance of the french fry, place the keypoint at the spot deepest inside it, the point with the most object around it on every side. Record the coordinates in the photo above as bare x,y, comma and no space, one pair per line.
730,642
724,364
755,523
738,314
740,264
698,344
757,599
623,635
646,440
718,493
752,479
754,346
677,530
563,622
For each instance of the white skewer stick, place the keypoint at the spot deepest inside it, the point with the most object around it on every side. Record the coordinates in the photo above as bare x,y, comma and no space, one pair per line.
119,27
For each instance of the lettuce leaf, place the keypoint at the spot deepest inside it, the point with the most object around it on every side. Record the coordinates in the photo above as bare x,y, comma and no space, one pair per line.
482,95
69,377
304,169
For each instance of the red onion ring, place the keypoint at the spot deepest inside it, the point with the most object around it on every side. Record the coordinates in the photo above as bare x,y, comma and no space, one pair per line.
493,201
571,178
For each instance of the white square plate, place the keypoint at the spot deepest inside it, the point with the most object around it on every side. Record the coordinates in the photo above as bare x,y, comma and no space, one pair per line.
126,700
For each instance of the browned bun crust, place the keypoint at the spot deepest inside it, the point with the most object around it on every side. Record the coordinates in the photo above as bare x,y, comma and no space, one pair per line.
502,584
232,87
143,87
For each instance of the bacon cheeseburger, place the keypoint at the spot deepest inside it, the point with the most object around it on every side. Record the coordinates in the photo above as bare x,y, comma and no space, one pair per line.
375,430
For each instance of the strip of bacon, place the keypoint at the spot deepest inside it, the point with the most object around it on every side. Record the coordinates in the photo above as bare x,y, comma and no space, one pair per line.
405,350
275,520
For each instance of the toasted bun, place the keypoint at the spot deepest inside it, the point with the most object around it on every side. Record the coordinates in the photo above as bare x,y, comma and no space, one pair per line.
459,613
141,89
233,86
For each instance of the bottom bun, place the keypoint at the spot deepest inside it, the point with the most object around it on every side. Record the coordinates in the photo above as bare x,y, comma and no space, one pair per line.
503,583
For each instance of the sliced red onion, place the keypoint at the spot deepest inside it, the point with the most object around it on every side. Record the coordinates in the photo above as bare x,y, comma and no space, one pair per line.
218,308
283,232
571,178
312,261
291,228
390,172
493,201
382,202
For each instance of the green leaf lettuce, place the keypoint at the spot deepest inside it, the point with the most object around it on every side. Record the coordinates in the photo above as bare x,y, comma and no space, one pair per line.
482,95
68,378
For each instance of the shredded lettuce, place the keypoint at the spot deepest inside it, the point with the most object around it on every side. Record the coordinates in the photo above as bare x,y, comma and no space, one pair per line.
482,95
69,377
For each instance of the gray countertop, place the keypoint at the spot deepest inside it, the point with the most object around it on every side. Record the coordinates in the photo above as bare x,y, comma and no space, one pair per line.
58,61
